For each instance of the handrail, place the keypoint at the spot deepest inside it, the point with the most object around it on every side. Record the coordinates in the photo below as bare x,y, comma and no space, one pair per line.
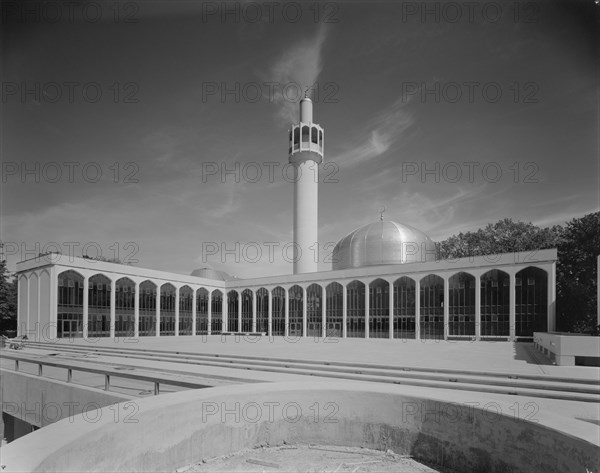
106,372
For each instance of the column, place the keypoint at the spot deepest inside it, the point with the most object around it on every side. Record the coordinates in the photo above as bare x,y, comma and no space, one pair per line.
344,311
446,307
157,325
391,314
177,311
270,312
367,310
113,311
324,312
254,295
287,314
478,307
304,312
194,312
512,299
417,309
136,311
86,303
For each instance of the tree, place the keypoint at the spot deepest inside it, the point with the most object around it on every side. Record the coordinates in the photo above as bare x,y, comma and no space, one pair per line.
8,299
577,275
504,236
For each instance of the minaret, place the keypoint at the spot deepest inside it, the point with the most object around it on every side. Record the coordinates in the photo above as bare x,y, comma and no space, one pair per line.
306,153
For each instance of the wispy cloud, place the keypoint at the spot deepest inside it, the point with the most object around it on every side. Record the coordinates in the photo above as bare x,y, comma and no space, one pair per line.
301,64
385,129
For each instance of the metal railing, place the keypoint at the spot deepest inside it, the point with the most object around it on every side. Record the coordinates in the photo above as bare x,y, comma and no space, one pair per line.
156,379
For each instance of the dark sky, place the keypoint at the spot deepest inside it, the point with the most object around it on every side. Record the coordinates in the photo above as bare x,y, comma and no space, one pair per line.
449,116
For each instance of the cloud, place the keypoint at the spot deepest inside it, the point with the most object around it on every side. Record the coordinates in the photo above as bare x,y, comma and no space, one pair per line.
301,64
383,131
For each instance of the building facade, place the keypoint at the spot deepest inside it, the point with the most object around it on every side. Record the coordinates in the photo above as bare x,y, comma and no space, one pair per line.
506,297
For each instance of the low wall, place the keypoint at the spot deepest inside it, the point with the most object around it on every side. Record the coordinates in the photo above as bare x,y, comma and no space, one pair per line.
41,401
564,348
177,429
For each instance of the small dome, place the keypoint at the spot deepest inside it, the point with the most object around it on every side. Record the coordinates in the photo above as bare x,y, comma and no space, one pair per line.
211,273
383,242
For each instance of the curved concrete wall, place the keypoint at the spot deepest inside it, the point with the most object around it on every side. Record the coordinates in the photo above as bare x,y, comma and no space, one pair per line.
173,430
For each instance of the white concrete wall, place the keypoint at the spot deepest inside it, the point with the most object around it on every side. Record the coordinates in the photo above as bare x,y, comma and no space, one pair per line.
182,428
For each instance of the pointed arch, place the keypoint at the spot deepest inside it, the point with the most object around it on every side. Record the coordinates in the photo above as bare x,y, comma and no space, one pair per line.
334,317
355,302
379,309
296,309
278,295
99,289
167,309
69,315
495,304
404,308
232,311
461,305
216,312
531,301
432,307
262,310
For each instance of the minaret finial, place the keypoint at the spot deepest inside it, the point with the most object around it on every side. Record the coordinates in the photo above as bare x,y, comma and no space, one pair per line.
381,213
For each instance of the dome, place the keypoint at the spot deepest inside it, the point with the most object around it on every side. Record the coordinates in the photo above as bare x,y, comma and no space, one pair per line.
383,242
211,273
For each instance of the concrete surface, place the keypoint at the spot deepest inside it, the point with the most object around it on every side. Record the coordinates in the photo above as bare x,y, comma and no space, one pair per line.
185,427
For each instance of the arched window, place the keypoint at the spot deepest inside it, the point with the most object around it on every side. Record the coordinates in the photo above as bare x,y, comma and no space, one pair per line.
305,137
217,312
495,304
296,303
296,138
314,307
247,302
379,309
262,310
461,308
202,312
167,309
314,135
232,311
186,300
147,309
355,301
531,304
125,308
334,309
404,308
69,316
278,314
99,289
432,307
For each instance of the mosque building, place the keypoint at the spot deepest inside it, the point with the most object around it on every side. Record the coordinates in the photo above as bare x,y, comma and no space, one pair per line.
385,282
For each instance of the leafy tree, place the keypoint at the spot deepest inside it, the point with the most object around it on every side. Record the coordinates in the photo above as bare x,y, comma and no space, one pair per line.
8,299
577,276
504,236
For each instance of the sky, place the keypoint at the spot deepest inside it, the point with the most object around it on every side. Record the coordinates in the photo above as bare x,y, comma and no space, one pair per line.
157,131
